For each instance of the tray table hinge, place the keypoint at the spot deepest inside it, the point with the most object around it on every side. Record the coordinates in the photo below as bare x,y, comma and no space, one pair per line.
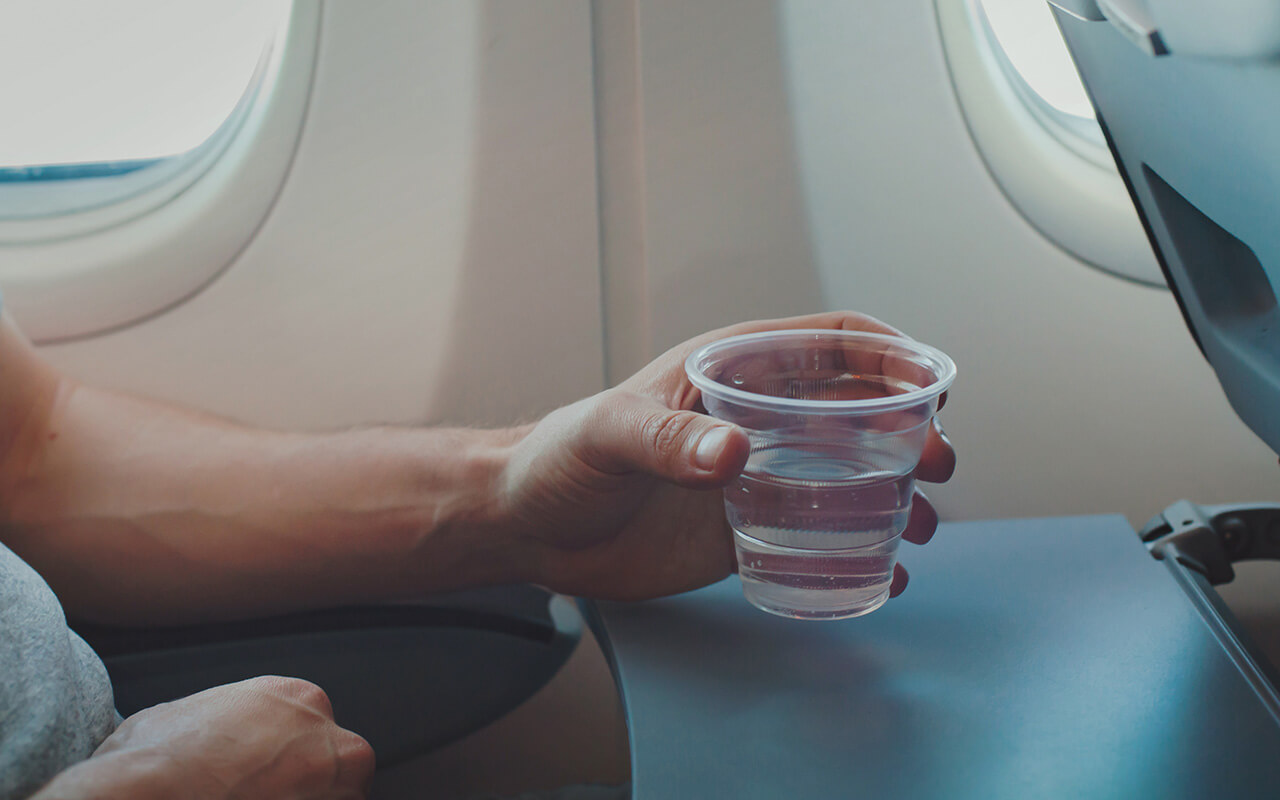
1210,538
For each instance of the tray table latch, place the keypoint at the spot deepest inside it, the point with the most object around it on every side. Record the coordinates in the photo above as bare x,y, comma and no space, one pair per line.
1209,539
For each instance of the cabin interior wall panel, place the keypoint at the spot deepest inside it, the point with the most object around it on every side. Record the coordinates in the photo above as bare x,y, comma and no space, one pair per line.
433,256
476,182
1078,392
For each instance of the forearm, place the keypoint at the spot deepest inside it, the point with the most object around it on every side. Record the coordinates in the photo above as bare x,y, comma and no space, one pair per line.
141,513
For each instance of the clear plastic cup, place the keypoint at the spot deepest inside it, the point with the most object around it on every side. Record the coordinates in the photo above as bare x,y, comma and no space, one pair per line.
837,422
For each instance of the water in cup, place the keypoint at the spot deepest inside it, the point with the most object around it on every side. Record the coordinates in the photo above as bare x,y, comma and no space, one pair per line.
838,421
817,524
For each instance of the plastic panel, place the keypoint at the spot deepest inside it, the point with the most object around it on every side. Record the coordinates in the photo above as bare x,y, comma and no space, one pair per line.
1049,658
407,678
1195,140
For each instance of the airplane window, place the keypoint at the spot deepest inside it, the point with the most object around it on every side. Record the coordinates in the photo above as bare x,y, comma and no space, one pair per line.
105,100
143,144
1037,134
1029,37
1030,51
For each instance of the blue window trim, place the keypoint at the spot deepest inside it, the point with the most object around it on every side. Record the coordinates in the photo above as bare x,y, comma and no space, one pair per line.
64,191
68,172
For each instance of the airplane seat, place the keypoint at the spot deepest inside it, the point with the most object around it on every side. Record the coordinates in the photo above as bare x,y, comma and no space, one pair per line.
1187,98
410,678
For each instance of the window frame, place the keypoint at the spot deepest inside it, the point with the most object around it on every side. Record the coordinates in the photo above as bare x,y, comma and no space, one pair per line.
57,207
118,260
1062,182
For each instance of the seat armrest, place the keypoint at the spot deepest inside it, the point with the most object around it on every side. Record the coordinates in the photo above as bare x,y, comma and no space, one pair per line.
410,678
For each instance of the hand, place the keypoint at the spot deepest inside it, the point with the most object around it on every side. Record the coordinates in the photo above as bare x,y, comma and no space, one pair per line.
271,738
619,486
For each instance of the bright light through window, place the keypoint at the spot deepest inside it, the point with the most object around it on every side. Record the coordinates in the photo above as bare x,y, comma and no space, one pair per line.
91,81
1030,38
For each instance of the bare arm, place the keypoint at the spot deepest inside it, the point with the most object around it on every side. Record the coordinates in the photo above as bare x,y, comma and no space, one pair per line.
136,512
140,513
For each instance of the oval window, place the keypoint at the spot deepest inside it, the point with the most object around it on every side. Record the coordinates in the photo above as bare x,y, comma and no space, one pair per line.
1035,128
154,139
118,98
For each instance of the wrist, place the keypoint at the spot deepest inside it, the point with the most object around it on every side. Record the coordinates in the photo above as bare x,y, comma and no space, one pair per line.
544,509
135,774
498,542
468,534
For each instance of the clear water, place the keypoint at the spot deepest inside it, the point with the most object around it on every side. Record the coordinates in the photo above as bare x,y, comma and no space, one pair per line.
817,526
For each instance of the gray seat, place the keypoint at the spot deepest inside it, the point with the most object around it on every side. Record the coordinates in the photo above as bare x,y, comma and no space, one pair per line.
409,678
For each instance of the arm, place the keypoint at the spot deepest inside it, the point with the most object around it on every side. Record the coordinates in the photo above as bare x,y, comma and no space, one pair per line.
139,513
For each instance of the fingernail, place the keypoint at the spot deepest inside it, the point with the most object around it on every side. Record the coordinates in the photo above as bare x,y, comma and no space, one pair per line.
710,446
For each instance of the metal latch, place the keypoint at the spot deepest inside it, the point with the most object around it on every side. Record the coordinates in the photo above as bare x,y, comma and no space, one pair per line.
1209,539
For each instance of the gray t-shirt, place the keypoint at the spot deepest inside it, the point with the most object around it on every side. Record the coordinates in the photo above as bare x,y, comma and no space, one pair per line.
55,698
56,705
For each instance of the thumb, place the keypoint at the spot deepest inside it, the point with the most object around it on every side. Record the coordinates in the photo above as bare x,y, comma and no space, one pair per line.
684,447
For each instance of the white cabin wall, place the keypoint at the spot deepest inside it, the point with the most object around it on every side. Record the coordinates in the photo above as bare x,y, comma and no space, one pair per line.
1078,392
475,180
703,219
433,255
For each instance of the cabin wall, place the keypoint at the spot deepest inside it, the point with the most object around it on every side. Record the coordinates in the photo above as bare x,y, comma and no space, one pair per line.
433,255
496,208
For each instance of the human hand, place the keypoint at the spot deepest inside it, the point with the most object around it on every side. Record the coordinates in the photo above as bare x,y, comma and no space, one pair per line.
618,488
268,737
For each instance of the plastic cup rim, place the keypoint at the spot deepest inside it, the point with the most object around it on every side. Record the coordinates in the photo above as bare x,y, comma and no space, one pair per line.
861,406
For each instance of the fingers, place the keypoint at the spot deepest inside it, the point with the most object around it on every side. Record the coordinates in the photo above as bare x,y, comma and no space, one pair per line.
835,320
294,690
899,583
657,377
354,761
921,526
938,461
629,432
832,320
923,521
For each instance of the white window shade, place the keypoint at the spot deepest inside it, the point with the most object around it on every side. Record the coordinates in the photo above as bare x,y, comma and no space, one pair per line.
125,80
1025,30
87,245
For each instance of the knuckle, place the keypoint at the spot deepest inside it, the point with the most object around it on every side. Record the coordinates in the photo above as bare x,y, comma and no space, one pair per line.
356,754
313,696
273,684
300,691
666,433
